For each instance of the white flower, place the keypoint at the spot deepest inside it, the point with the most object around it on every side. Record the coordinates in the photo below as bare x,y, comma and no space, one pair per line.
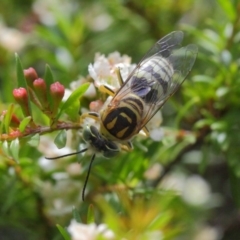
153,126
153,172
103,69
79,231
153,235
193,189
196,191
209,233
11,39
91,91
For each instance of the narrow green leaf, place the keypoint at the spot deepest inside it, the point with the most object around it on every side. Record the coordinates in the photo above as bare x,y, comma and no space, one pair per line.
61,139
49,79
161,221
76,215
20,75
90,214
48,75
63,232
74,97
14,149
7,117
5,148
24,123
34,140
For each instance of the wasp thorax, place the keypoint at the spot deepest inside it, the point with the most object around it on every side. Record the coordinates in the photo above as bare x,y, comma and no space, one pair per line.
99,143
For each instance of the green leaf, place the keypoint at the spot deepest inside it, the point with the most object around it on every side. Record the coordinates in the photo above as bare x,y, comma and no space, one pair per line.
14,149
49,79
228,8
20,75
74,98
5,148
34,140
61,139
63,232
48,75
7,117
76,215
90,214
24,123
202,79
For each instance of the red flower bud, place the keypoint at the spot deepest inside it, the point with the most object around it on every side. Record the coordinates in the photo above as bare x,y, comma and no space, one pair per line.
15,121
40,84
21,96
57,91
95,106
30,75
40,89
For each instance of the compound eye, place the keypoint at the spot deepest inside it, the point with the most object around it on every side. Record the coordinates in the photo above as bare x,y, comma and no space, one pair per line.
90,132
111,149
94,131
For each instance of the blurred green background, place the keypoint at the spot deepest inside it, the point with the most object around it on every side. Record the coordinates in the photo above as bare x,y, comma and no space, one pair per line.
189,182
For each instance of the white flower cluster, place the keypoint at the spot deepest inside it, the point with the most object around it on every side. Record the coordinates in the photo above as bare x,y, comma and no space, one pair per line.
79,231
103,69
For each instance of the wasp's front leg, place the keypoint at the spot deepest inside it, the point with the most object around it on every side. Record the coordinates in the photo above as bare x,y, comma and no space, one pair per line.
107,89
92,115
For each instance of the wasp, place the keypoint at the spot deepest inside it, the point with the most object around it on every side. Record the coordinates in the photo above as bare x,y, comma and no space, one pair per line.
156,78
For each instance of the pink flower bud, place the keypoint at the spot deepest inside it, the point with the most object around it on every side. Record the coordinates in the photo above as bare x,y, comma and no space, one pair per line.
40,89
40,84
30,75
57,91
95,106
21,97
14,121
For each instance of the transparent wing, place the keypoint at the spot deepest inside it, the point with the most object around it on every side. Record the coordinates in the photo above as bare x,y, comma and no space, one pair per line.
159,74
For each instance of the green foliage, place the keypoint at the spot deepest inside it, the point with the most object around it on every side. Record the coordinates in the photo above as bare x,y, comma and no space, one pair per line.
139,193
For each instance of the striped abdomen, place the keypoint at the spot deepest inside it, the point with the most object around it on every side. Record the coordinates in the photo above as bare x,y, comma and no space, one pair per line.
151,81
122,121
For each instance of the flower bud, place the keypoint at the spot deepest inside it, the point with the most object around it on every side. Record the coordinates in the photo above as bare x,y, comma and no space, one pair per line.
21,97
57,91
40,89
95,106
30,75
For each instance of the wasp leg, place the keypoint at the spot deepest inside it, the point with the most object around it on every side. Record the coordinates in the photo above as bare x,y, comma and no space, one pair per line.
119,76
145,130
92,115
106,89
127,146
